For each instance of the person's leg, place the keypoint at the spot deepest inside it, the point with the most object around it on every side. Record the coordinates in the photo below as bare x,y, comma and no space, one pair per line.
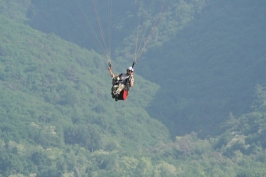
119,89
114,88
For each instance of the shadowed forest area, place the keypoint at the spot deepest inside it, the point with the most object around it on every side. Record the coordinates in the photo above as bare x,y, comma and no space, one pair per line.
197,107
211,68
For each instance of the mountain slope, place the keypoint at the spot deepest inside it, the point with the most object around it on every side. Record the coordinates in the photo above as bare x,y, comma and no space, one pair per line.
57,118
119,26
56,96
210,68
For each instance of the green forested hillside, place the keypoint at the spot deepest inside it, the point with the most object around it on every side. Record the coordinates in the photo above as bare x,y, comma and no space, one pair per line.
76,21
55,95
15,9
58,119
211,68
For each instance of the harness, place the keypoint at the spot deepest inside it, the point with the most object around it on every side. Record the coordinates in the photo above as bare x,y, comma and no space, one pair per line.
125,81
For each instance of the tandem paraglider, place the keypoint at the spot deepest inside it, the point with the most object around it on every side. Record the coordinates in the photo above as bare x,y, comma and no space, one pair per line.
140,37
121,83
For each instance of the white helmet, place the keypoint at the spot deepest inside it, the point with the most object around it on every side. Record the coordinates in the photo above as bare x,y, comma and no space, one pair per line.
130,69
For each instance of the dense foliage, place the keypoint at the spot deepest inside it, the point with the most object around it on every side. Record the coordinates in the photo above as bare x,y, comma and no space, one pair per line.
56,95
211,68
125,22
57,117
